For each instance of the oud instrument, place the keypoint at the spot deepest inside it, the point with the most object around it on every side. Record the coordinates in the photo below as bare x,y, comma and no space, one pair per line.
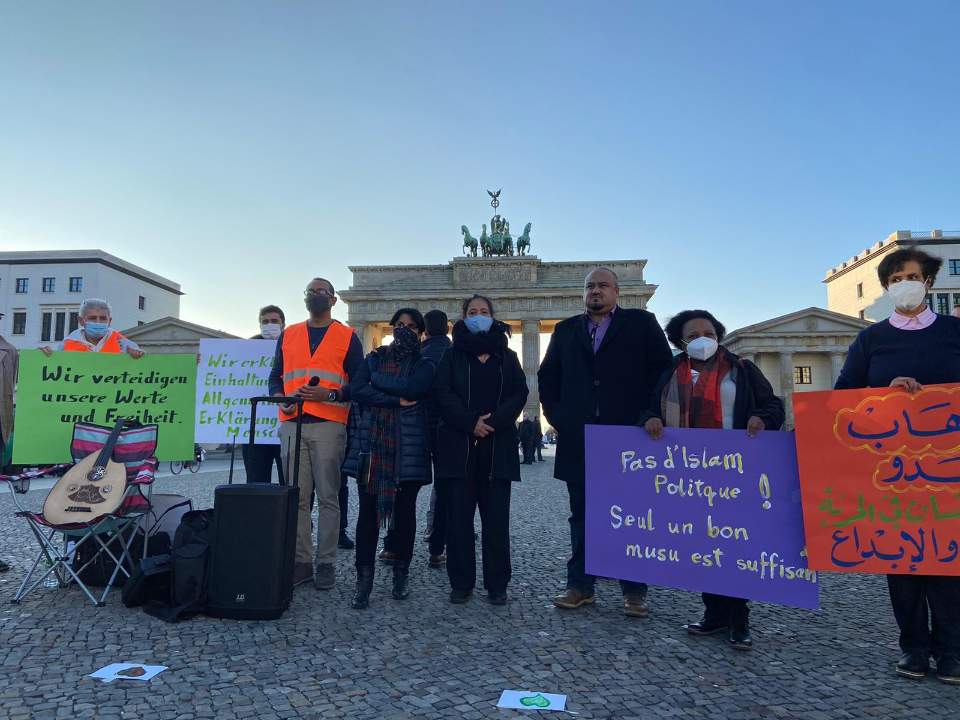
93,487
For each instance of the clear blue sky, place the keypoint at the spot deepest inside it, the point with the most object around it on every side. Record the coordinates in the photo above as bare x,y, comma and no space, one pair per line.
241,148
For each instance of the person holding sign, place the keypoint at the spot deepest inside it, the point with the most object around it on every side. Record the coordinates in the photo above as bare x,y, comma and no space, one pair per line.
710,387
388,449
600,368
95,333
480,391
259,459
328,350
914,347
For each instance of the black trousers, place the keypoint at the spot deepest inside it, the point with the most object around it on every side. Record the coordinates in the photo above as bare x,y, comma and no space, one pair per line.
404,531
492,497
344,499
577,577
725,610
258,461
540,451
921,599
441,518
527,448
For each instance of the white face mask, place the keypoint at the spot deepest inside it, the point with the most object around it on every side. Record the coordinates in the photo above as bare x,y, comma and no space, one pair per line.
702,348
270,331
907,294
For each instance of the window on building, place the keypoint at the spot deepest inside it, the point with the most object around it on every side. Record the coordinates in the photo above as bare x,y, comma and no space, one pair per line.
863,314
19,323
943,303
802,375
22,285
142,303
76,284
56,323
930,301
49,284
955,267
859,290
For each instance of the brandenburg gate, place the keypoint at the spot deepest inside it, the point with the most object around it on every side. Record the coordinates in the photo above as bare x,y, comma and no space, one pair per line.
529,295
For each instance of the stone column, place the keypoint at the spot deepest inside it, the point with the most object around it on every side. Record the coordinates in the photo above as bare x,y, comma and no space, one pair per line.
531,362
371,337
836,365
786,386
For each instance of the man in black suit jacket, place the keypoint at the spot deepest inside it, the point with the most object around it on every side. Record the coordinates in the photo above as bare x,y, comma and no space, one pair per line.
600,368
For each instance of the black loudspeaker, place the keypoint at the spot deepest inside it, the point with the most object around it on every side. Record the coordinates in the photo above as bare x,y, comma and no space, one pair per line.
254,538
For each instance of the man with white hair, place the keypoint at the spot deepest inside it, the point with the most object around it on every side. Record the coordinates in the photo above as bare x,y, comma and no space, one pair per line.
95,333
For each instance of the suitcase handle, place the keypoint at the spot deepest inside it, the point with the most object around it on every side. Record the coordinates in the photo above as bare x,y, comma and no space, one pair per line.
281,400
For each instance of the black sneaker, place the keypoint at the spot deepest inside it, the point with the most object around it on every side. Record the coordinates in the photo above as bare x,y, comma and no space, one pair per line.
497,597
739,638
345,543
948,670
914,665
705,627
459,597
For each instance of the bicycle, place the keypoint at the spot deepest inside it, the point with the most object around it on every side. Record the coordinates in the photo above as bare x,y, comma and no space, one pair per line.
177,466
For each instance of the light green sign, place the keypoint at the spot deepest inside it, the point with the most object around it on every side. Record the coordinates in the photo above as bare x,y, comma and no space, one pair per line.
55,392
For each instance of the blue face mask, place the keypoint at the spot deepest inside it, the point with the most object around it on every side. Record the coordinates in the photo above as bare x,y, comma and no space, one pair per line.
95,329
478,323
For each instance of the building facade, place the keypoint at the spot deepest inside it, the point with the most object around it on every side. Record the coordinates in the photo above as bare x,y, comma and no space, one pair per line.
41,292
173,335
528,294
854,289
799,352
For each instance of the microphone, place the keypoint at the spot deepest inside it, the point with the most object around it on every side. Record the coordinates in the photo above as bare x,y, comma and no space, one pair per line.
314,381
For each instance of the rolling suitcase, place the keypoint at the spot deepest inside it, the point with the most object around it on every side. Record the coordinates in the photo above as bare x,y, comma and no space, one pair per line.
254,539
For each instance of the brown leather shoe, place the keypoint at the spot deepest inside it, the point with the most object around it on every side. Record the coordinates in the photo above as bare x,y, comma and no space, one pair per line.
635,606
571,599
302,573
387,557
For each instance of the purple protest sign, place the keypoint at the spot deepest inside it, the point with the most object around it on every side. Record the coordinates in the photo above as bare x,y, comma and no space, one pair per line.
706,510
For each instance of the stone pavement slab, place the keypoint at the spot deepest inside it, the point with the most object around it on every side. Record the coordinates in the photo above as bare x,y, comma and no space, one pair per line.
426,658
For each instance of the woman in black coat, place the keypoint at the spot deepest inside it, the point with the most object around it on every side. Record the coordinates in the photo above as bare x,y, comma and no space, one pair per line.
387,449
710,387
480,390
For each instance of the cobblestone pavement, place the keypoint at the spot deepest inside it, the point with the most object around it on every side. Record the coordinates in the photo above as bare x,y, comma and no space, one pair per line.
427,658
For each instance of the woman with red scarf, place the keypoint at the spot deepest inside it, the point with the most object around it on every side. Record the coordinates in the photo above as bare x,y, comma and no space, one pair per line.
710,387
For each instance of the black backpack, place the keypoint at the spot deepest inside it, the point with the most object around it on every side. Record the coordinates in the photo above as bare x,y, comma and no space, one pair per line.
189,569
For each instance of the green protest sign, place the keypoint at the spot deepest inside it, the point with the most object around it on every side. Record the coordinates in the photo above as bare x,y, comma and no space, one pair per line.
55,392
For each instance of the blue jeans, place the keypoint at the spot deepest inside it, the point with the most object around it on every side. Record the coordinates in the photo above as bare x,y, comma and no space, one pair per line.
577,577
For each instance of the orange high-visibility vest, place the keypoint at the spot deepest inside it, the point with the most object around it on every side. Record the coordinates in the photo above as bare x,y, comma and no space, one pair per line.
326,364
110,345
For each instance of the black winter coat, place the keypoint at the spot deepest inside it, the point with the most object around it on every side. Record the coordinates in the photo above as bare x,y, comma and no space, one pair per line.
754,395
413,383
609,387
457,421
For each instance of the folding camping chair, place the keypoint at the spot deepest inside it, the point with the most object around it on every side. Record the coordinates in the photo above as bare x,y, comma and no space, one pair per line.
110,534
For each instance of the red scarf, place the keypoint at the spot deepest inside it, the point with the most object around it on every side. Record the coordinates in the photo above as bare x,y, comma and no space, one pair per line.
700,404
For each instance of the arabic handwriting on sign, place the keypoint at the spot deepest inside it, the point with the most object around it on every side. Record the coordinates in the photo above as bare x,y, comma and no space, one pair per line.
952,424
873,436
918,473
912,545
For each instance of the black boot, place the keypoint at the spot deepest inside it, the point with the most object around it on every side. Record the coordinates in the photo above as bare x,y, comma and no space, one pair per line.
361,598
401,574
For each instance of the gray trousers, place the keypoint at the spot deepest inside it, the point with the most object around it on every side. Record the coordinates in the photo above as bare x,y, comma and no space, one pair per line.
322,446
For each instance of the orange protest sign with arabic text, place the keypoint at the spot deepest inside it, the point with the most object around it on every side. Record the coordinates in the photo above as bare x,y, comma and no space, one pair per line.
880,479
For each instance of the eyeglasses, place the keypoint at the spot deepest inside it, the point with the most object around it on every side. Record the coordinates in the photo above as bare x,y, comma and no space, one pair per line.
318,291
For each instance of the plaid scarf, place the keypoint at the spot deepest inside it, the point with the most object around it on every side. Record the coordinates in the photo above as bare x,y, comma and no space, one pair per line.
384,430
686,404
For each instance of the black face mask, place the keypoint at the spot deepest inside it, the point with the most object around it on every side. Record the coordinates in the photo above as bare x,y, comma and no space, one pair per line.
317,304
